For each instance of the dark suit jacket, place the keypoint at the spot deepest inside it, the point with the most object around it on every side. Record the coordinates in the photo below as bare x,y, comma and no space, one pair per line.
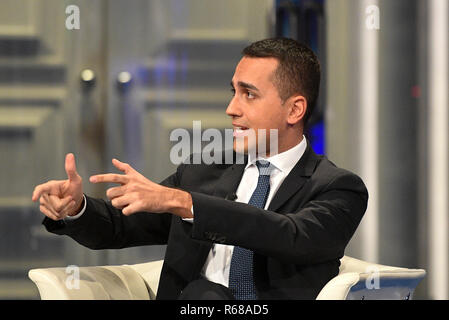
297,242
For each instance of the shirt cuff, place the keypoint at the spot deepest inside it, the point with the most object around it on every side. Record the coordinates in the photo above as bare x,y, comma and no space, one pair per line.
68,218
189,219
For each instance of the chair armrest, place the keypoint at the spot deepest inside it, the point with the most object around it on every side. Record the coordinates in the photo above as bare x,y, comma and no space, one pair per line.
95,283
339,287
388,284
150,273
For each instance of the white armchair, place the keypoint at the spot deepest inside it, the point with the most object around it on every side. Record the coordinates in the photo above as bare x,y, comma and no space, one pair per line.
357,280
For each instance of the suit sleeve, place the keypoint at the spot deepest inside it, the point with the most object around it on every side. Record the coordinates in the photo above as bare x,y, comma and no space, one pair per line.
102,226
317,232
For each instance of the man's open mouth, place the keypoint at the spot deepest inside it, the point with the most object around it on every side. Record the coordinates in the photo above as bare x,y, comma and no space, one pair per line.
240,131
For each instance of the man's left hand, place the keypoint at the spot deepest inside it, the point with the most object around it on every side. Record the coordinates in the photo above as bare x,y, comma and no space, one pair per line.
137,193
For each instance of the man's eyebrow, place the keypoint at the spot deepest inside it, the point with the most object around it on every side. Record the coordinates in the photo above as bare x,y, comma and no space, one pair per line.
245,85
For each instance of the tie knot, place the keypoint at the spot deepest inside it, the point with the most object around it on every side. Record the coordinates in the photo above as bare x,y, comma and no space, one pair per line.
264,167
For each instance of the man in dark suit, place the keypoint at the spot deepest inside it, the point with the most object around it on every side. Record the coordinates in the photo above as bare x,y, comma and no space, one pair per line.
273,227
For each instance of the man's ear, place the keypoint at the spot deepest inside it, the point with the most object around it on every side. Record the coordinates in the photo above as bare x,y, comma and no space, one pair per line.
298,108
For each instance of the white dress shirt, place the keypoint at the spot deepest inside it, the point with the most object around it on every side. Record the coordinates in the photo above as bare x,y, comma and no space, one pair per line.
216,268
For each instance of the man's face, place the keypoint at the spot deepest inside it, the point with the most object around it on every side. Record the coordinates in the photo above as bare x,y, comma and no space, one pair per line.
255,104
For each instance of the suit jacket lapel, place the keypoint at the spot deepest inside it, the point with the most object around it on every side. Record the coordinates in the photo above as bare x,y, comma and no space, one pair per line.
230,180
296,178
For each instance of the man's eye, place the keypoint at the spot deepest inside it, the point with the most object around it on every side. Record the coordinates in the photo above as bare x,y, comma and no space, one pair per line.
233,91
250,95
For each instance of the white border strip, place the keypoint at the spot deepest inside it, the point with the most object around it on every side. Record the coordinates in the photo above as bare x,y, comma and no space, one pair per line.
369,78
438,149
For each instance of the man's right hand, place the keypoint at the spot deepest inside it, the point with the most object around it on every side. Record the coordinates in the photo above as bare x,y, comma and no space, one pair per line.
61,198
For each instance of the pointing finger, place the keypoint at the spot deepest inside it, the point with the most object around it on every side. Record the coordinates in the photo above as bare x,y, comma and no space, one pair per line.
48,187
39,190
109,177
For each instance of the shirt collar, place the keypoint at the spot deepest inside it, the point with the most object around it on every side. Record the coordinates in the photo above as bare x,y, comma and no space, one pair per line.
284,161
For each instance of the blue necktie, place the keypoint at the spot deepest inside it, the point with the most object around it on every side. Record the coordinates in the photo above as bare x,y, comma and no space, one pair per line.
241,282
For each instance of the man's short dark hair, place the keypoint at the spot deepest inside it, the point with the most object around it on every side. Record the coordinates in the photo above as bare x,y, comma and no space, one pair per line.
298,71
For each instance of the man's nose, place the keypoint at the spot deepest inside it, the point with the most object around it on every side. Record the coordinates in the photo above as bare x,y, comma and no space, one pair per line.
233,109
